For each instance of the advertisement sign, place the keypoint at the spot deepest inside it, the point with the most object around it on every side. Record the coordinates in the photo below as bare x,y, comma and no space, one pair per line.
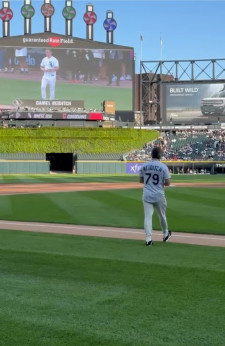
54,115
51,104
201,102
45,115
133,167
46,67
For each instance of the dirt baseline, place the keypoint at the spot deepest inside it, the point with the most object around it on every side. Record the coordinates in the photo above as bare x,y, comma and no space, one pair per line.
186,238
12,189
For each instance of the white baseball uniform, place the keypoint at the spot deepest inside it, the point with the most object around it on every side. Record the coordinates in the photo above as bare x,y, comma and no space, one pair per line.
49,77
154,174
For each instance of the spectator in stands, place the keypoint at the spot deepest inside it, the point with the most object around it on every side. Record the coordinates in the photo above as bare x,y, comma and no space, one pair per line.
185,145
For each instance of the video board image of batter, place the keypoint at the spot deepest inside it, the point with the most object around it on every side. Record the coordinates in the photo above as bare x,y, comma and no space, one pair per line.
92,75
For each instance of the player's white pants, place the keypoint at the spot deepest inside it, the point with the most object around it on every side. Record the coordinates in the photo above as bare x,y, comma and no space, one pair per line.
51,82
160,208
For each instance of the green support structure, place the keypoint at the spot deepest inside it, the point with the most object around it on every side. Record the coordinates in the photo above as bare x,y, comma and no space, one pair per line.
100,167
24,167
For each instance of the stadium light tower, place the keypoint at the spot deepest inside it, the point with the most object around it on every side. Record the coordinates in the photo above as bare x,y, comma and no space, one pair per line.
47,10
27,12
6,15
90,19
109,25
69,13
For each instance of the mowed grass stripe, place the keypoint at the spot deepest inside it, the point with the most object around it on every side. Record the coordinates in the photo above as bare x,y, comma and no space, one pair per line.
198,178
65,178
187,210
190,208
104,248
63,290
87,178
112,208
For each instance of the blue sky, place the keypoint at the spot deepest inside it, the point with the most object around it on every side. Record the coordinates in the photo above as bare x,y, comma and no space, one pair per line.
188,29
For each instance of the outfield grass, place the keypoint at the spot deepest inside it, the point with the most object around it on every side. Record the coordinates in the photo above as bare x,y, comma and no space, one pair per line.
82,178
59,290
190,209
195,210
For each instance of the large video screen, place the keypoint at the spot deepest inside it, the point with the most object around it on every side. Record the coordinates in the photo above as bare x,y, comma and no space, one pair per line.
91,75
194,102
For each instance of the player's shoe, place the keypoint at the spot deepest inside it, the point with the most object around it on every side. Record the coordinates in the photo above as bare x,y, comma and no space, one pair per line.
149,243
166,238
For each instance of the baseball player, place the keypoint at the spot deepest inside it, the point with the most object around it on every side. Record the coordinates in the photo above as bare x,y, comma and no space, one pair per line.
49,66
154,175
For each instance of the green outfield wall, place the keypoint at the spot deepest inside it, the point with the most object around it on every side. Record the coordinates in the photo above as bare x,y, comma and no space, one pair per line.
127,167
100,167
24,167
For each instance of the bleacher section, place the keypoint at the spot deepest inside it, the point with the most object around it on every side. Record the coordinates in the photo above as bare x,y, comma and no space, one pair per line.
185,145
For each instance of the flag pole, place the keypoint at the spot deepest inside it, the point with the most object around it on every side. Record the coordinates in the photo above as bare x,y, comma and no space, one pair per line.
140,90
160,84
141,48
161,43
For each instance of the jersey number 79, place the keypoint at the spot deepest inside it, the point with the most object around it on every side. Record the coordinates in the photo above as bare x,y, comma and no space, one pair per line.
154,178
